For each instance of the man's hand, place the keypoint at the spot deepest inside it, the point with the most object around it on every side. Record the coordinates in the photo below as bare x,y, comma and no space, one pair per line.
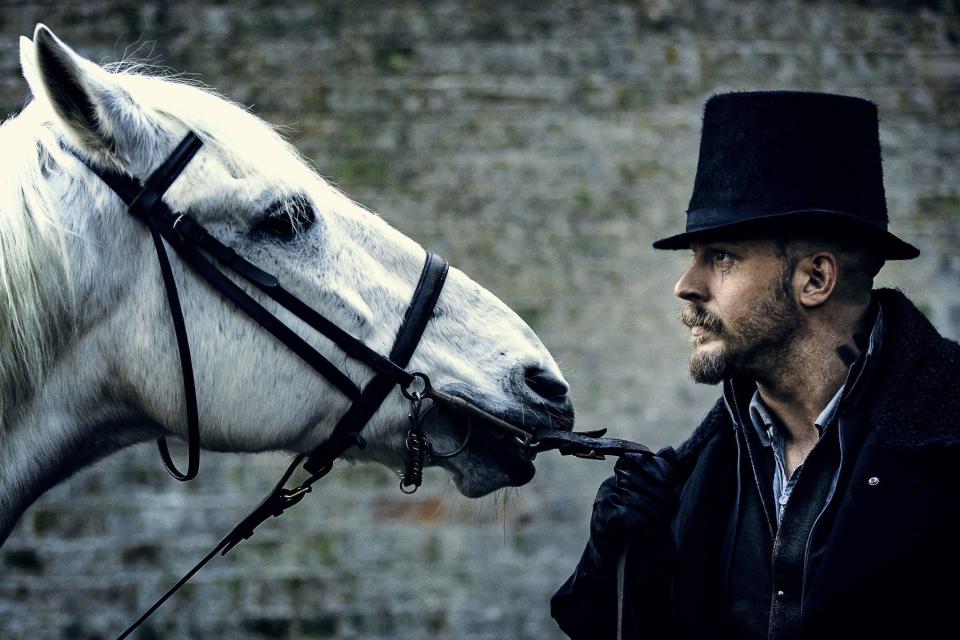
637,504
633,507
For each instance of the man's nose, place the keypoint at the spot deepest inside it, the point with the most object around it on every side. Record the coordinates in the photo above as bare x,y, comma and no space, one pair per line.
691,286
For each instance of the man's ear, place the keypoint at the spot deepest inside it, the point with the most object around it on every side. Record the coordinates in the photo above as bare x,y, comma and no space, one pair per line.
815,277
87,100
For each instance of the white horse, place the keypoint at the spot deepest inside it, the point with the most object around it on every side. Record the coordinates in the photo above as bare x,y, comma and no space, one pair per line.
88,359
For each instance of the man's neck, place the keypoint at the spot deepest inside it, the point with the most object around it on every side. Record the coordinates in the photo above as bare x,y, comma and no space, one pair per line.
811,371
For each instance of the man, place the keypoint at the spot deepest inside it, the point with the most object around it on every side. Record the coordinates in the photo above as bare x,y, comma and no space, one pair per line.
819,497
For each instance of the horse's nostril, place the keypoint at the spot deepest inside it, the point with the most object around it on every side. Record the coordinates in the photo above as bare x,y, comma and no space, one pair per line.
545,384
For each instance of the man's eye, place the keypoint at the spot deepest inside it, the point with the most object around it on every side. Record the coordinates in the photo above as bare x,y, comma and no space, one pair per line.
286,218
722,260
719,255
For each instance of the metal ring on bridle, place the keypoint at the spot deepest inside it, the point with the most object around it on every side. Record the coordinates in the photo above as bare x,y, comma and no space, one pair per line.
433,453
416,395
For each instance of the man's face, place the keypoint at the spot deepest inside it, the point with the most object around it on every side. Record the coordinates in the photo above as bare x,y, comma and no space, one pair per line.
741,313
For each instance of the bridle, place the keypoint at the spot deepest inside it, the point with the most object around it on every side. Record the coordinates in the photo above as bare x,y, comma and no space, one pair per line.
191,240
194,244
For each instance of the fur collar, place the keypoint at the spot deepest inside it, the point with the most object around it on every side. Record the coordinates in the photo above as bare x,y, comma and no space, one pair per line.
915,394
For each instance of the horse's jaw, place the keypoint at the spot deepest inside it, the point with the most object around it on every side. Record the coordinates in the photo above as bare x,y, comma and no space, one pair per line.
491,461
479,456
475,476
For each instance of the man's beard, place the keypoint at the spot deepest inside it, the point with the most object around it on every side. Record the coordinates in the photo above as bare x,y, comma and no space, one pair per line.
762,336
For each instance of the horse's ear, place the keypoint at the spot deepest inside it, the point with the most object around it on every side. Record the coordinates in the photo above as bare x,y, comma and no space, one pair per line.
84,96
28,63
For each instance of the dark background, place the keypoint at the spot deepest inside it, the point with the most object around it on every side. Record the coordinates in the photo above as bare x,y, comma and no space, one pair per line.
541,147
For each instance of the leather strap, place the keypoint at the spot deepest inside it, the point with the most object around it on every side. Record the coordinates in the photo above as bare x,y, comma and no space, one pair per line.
186,370
583,444
140,202
230,290
414,323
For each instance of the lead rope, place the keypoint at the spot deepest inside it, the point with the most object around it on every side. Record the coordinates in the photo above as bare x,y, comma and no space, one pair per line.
278,498
277,501
320,461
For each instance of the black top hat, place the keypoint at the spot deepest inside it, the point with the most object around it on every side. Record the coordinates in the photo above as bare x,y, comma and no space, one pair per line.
791,157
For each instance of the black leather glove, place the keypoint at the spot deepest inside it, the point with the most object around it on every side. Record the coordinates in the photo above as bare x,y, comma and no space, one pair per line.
635,504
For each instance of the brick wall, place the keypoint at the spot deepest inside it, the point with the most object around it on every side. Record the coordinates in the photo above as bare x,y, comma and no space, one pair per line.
541,147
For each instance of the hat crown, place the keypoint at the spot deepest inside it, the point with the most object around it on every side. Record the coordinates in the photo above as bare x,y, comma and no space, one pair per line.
791,160
769,153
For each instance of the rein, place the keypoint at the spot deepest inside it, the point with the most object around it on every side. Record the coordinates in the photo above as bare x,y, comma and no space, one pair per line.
193,244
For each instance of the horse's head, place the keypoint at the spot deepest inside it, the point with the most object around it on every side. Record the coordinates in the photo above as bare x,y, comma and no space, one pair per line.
115,371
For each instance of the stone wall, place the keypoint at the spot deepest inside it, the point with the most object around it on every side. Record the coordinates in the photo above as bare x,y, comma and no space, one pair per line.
541,147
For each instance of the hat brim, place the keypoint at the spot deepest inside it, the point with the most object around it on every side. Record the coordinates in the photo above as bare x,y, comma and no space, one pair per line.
880,241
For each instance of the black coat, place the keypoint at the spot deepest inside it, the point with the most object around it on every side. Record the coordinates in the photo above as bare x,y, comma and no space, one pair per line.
890,563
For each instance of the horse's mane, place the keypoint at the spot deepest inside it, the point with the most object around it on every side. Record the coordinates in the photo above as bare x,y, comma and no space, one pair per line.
37,305
243,142
36,296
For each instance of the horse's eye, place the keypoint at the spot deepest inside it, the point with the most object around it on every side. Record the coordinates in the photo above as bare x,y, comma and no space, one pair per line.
286,218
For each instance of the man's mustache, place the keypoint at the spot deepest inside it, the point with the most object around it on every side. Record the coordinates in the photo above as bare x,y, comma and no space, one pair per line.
694,316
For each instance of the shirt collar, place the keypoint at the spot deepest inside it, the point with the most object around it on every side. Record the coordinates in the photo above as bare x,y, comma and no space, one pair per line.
768,428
